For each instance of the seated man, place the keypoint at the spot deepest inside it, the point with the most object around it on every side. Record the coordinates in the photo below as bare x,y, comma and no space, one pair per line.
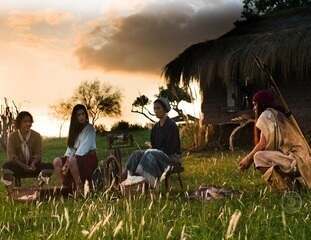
24,150
281,153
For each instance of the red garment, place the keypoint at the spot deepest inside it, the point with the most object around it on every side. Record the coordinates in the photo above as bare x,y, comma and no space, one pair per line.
86,164
264,98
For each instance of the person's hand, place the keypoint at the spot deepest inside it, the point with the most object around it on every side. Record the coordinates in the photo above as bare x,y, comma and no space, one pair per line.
245,163
29,168
65,167
33,165
148,144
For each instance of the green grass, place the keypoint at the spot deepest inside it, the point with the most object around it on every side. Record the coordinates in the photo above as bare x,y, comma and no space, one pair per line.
159,215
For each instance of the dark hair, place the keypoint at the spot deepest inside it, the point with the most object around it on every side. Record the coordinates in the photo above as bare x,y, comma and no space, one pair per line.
75,127
20,117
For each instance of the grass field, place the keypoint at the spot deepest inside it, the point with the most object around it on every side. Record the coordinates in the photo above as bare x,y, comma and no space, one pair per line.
264,215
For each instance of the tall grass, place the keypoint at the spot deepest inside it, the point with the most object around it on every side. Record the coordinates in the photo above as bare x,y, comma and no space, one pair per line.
256,214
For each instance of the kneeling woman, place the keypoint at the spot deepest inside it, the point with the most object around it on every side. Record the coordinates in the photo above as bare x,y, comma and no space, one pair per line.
165,147
281,151
80,160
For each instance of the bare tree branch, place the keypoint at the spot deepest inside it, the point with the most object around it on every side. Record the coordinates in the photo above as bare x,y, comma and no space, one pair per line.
144,114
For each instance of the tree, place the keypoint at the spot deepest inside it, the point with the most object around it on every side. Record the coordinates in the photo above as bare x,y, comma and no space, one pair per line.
62,111
140,106
174,94
255,8
100,100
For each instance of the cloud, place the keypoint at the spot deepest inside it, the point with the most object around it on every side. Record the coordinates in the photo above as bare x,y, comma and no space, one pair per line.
27,20
148,39
36,28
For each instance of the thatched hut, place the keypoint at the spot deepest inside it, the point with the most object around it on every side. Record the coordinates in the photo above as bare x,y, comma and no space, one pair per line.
228,75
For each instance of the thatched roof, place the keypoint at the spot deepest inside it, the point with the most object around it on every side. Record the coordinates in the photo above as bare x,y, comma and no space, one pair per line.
282,40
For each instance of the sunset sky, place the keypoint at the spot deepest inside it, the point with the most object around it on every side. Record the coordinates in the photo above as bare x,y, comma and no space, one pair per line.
48,47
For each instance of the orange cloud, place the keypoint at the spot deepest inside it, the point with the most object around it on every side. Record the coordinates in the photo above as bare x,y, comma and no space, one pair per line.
47,28
26,20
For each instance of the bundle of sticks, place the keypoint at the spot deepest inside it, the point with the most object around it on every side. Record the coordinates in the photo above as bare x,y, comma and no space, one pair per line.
7,117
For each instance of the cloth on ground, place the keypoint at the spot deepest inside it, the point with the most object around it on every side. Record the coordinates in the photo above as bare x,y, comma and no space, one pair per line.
208,193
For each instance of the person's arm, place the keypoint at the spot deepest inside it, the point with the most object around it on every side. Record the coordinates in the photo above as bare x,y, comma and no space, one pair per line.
246,162
23,165
37,151
11,150
173,141
69,152
88,142
152,137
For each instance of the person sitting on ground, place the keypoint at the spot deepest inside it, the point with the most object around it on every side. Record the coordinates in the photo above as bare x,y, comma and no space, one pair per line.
24,150
280,152
80,160
165,148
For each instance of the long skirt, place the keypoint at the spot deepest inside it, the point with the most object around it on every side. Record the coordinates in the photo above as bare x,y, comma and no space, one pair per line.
278,165
268,159
149,164
86,164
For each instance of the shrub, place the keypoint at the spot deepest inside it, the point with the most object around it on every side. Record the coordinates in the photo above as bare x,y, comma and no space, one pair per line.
101,129
193,136
125,126
137,127
120,126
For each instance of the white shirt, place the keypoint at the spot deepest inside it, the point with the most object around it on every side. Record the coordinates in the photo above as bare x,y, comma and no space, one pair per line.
85,142
267,123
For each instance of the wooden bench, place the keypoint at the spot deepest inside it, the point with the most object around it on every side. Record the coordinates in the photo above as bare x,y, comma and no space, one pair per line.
46,173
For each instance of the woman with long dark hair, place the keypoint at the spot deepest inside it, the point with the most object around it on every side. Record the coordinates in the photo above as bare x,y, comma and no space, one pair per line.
80,160
280,152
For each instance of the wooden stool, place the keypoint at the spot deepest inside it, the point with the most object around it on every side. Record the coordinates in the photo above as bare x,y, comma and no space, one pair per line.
177,169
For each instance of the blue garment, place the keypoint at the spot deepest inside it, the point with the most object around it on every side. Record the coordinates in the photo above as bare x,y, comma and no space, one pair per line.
165,151
150,164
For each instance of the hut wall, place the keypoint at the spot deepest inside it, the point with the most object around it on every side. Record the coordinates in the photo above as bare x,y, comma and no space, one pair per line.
214,102
298,96
216,108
